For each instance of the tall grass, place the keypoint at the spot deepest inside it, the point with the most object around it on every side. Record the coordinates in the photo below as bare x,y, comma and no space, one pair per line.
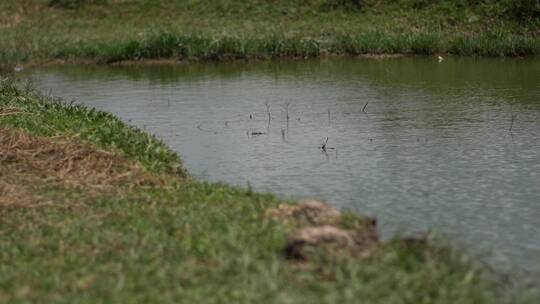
180,46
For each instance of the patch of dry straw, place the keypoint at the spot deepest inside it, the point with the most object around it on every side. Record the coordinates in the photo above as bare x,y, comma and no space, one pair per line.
29,162
6,111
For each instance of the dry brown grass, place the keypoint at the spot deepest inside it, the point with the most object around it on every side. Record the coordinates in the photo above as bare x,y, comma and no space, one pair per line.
7,21
28,163
304,213
10,111
13,195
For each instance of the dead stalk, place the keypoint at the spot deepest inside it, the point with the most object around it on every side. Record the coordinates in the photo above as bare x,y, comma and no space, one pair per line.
328,116
287,110
512,122
323,147
267,104
364,108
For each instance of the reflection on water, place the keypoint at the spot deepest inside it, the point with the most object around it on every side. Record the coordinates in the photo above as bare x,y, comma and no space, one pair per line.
435,148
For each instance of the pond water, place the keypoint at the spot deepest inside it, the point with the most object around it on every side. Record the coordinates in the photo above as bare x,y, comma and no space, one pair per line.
421,145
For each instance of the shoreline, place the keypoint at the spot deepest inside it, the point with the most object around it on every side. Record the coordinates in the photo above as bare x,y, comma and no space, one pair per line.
180,62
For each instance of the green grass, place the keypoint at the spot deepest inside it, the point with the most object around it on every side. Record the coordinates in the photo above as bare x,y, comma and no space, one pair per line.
194,242
32,31
205,243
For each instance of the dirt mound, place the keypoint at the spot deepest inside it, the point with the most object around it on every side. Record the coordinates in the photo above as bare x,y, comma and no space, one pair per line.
305,213
334,240
319,228
28,162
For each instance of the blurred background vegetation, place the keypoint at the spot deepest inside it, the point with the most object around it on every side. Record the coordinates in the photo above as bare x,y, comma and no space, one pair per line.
36,31
520,10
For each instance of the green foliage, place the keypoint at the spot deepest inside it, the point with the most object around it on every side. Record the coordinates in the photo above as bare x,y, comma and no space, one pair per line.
341,4
523,10
5,68
74,4
417,4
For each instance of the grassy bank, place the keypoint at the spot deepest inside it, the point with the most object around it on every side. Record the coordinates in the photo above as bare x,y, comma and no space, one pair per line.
93,211
114,30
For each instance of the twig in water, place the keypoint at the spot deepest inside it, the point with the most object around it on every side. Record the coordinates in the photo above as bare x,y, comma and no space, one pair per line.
200,127
325,147
286,107
512,122
267,104
364,108
328,116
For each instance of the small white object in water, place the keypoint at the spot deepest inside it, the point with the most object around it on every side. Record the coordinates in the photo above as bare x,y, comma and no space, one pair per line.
440,58
18,69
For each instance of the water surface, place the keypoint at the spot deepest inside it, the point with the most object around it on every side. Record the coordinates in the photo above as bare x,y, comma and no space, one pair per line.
451,146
